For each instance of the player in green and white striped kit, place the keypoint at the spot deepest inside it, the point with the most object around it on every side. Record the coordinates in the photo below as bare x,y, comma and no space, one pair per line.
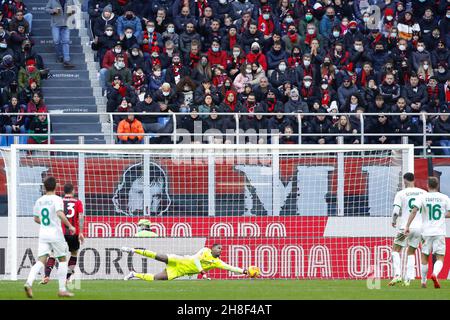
403,204
49,213
435,208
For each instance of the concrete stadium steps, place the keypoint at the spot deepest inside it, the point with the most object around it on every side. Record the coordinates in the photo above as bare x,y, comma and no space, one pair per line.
66,90
58,91
71,119
74,139
75,128
74,108
48,48
68,101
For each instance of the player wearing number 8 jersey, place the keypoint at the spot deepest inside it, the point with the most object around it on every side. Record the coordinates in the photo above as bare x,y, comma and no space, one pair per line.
435,208
403,204
73,209
48,211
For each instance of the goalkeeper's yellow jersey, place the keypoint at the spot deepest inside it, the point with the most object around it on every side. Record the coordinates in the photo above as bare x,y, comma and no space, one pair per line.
203,260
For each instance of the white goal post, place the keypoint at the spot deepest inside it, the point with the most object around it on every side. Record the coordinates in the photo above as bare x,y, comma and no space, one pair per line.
297,211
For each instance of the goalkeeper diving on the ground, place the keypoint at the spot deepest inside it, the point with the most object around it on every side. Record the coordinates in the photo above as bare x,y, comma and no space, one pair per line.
178,266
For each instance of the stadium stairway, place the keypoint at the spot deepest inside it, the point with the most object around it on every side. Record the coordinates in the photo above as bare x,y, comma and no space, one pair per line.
69,90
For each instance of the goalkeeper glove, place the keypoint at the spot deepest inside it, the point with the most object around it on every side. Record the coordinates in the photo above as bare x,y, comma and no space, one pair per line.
204,276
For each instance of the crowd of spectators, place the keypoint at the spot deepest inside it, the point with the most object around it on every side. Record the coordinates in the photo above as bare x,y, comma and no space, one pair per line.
278,56
21,72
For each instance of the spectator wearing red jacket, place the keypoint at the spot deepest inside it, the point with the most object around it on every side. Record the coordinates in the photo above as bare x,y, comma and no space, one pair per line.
257,56
216,56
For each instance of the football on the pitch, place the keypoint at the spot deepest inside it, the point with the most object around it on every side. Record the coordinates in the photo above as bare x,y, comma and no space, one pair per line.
254,272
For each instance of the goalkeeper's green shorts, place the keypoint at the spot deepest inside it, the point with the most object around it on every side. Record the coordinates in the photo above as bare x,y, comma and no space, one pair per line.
178,266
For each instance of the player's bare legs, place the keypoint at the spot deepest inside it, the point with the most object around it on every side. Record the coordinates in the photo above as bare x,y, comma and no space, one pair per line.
410,266
437,267
396,264
424,270
33,273
62,274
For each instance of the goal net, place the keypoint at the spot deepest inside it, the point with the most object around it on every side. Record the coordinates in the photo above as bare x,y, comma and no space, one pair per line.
296,211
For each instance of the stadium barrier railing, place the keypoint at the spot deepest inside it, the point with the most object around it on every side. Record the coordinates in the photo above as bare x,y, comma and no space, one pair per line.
425,142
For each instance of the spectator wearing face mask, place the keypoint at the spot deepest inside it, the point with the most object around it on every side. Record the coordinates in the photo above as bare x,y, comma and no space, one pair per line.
129,20
119,68
420,55
168,96
104,42
216,56
425,72
329,20
235,61
308,18
136,58
28,72
282,75
266,22
308,91
110,59
171,35
306,68
327,94
244,77
257,56
129,40
334,37
295,104
150,38
107,18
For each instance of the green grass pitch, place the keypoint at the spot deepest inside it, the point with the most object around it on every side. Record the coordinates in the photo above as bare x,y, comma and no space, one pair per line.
230,290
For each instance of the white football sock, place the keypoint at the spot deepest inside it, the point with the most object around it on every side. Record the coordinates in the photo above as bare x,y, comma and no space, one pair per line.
410,267
437,267
61,274
424,272
396,264
33,272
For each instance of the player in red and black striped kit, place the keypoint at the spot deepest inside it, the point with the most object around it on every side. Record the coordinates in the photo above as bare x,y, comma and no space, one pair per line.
73,208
